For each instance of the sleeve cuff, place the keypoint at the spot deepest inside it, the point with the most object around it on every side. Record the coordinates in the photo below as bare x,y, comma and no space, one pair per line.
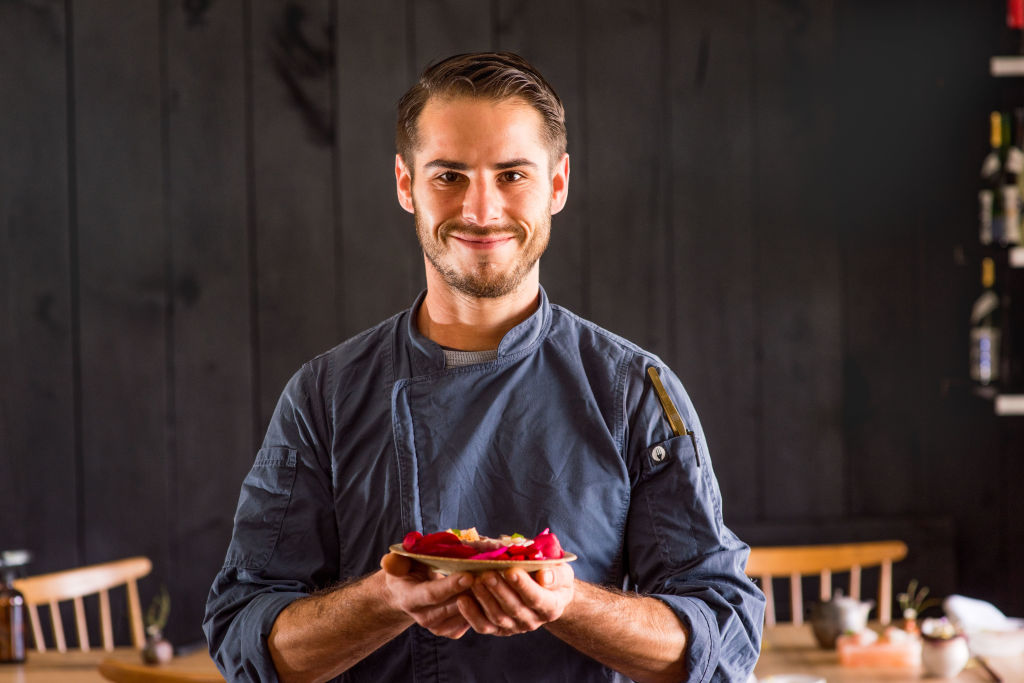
258,619
703,643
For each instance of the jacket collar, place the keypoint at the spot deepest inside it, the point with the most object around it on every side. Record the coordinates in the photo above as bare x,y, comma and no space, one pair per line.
426,356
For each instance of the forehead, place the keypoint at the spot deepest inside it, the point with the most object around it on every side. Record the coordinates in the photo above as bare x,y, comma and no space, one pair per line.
471,129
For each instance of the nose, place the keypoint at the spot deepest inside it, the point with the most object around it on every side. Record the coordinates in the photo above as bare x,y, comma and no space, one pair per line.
482,203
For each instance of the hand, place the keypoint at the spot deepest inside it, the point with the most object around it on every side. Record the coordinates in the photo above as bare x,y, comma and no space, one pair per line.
428,597
513,602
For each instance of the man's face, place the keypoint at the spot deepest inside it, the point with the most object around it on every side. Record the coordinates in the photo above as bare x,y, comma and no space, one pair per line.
482,192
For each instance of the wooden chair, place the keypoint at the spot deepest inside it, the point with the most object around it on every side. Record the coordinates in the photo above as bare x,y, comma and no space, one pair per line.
793,562
74,584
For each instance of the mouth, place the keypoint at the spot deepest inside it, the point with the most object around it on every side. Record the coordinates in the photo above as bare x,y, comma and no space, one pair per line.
483,242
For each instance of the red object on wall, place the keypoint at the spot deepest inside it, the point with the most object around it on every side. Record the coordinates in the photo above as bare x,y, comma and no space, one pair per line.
1015,13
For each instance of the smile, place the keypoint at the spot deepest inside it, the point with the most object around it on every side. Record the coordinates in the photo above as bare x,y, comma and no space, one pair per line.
489,242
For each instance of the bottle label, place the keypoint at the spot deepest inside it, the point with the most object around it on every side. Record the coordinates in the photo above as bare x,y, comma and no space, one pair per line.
1015,160
984,355
1011,217
985,216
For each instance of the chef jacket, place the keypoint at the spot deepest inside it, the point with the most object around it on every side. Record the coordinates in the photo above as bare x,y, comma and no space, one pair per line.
563,430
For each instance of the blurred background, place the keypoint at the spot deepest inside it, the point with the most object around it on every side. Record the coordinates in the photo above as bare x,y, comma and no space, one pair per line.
779,197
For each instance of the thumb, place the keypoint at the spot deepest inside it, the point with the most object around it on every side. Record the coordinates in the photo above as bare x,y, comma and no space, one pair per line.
396,565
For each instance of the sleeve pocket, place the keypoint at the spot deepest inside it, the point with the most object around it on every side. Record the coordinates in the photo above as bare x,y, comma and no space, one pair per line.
262,506
680,501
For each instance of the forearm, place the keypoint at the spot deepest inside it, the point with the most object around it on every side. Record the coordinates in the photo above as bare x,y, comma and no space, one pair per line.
638,636
319,637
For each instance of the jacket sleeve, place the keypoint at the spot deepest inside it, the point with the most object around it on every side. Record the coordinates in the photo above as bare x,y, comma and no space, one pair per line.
284,542
678,547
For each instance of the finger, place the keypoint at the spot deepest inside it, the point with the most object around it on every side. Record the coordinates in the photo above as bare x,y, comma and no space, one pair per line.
527,589
430,615
454,627
471,611
395,564
442,590
501,604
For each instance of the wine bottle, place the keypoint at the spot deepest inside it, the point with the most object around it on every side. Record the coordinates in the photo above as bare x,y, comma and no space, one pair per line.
12,619
1015,14
1014,23
990,198
1013,170
986,330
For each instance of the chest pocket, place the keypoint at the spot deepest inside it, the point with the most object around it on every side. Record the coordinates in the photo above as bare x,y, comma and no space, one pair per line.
262,506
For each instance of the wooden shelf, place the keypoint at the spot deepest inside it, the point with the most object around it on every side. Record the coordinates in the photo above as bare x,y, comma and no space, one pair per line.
1009,404
1007,66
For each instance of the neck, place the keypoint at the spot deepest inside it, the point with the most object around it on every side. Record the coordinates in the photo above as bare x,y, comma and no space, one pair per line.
458,321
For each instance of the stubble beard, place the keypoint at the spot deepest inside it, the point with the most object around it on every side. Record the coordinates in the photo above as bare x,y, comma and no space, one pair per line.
484,281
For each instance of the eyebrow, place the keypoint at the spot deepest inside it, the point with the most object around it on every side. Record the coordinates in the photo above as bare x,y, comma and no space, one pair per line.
459,166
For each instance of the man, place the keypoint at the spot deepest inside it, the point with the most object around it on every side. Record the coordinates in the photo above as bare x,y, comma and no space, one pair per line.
483,405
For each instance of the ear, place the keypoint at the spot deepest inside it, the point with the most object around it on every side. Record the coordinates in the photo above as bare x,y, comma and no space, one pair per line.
560,185
403,181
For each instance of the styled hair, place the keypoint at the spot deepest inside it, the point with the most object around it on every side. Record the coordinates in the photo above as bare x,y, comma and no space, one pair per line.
489,75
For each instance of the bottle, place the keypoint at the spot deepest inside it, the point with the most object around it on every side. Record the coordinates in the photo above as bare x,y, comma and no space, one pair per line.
12,619
986,331
1015,14
1011,40
990,198
1013,171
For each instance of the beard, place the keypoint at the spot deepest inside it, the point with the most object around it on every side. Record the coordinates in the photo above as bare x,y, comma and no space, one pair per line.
485,279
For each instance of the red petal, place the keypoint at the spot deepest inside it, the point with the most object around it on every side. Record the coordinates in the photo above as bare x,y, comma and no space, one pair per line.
496,554
411,539
548,546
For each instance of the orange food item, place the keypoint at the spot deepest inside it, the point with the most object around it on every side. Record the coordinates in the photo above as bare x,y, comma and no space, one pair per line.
893,651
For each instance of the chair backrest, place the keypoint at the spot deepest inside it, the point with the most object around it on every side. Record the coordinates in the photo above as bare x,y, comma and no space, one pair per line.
73,584
793,562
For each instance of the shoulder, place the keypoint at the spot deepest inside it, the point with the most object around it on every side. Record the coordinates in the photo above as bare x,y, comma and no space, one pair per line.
358,355
567,326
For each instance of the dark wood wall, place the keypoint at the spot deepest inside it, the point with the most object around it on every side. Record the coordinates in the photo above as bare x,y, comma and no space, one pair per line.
777,196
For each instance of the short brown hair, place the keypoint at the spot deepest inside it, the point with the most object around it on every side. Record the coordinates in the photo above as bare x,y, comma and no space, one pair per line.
489,75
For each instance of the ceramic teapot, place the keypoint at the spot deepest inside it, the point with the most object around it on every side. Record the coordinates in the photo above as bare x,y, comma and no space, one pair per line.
831,618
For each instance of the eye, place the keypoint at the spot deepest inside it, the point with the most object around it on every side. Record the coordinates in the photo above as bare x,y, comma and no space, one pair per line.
512,176
448,177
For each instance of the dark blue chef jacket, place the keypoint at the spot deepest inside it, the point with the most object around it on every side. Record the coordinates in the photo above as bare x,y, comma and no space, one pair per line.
376,438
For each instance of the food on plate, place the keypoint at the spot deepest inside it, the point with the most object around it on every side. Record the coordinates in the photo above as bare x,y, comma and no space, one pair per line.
470,545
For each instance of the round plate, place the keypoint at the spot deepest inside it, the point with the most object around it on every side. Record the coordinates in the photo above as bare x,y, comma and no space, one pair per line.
448,565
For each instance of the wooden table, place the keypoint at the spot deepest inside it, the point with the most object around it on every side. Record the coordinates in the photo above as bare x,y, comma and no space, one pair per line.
788,649
83,667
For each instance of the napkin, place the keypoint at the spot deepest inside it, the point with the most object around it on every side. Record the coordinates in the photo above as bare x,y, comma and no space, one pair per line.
971,614
989,631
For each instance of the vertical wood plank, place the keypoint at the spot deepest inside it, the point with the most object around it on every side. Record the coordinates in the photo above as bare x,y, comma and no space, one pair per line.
442,28
81,627
213,387
292,63
797,270
123,265
714,328
877,224
630,275
380,264
529,29
37,400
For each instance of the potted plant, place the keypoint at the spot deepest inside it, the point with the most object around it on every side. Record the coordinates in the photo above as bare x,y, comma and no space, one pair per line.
158,649
912,602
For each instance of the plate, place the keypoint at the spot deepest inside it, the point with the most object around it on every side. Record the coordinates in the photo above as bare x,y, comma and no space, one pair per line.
448,565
